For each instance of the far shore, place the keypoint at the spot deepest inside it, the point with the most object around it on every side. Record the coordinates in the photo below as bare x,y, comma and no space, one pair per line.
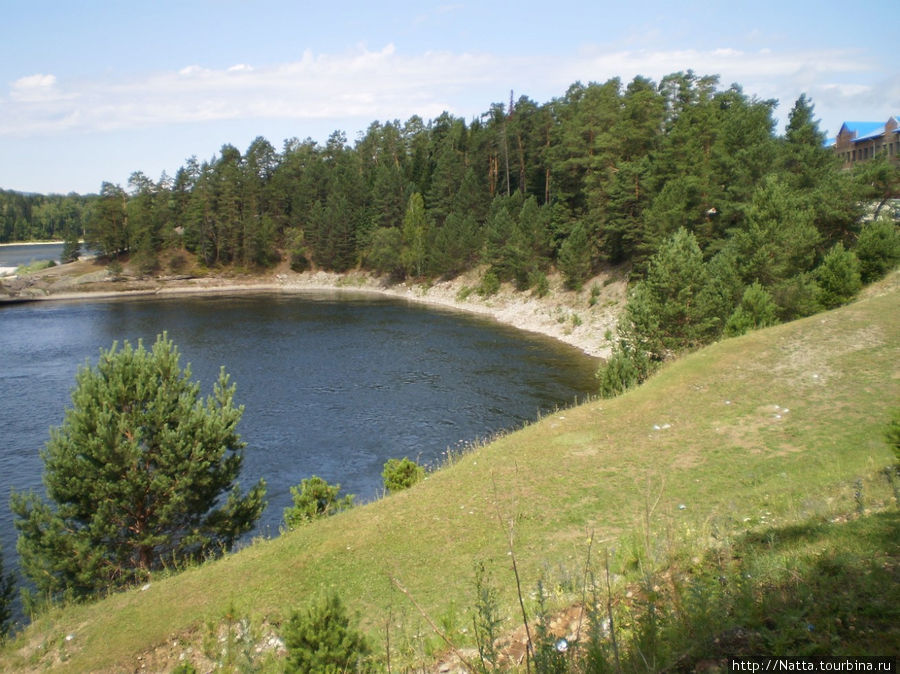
32,243
568,316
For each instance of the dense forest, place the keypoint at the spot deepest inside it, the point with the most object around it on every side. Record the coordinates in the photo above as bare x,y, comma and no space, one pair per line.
38,217
607,174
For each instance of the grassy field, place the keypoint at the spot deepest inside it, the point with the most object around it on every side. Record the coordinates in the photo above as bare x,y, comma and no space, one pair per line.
761,456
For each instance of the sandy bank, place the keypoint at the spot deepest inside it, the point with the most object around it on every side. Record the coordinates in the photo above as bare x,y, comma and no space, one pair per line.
575,318
32,243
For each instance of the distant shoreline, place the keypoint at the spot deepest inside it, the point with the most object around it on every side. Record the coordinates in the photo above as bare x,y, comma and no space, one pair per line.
32,243
565,316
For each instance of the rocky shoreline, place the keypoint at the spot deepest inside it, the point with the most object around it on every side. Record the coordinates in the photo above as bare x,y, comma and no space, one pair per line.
582,319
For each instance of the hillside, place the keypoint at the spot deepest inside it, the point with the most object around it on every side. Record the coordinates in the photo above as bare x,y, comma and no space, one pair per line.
755,434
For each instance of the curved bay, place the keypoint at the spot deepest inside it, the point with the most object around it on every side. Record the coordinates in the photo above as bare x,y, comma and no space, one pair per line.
332,386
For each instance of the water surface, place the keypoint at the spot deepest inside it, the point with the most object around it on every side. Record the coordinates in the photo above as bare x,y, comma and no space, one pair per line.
17,254
332,386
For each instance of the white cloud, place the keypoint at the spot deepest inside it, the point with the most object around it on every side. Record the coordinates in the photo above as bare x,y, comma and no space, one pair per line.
33,88
38,81
387,84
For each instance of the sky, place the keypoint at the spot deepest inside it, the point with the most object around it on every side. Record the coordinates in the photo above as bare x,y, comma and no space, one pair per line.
94,90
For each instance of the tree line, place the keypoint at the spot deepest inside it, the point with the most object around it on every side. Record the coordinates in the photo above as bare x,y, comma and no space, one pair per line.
607,174
603,174
39,217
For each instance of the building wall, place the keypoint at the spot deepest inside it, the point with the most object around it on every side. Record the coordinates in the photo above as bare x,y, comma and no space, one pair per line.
852,151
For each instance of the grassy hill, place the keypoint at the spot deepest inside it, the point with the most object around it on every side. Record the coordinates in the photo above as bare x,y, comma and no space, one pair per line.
774,439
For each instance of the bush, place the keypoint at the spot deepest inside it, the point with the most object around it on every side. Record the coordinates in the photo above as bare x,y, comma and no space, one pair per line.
489,285
400,474
321,640
595,294
625,369
838,277
114,269
540,284
878,249
315,498
299,260
797,296
893,435
756,310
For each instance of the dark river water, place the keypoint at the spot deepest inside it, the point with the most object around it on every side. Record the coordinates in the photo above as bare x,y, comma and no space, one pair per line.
332,385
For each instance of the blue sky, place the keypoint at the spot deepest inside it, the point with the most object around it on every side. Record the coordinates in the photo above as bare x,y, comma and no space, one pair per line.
92,90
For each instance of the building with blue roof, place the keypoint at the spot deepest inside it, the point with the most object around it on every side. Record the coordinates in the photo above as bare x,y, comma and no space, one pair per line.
859,141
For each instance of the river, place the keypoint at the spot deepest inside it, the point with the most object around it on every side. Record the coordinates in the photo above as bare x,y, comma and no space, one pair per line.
13,255
332,385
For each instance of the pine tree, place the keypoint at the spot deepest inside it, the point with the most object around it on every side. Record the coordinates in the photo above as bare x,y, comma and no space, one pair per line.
322,639
838,277
756,310
414,236
141,473
673,308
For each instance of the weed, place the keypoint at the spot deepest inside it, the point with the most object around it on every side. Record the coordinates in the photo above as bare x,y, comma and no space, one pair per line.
486,619
463,293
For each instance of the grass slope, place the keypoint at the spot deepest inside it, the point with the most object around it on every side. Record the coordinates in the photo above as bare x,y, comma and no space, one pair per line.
763,431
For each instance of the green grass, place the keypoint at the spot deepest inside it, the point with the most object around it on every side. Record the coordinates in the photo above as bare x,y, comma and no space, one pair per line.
698,463
34,266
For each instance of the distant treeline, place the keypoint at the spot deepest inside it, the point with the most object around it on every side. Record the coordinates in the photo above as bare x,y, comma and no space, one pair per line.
603,174
38,217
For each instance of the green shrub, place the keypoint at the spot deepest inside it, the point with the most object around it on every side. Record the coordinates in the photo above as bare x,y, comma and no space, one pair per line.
625,369
487,621
878,249
540,284
299,261
400,474
797,296
463,294
893,434
35,265
321,640
595,294
315,498
489,285
756,310
114,269
838,277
